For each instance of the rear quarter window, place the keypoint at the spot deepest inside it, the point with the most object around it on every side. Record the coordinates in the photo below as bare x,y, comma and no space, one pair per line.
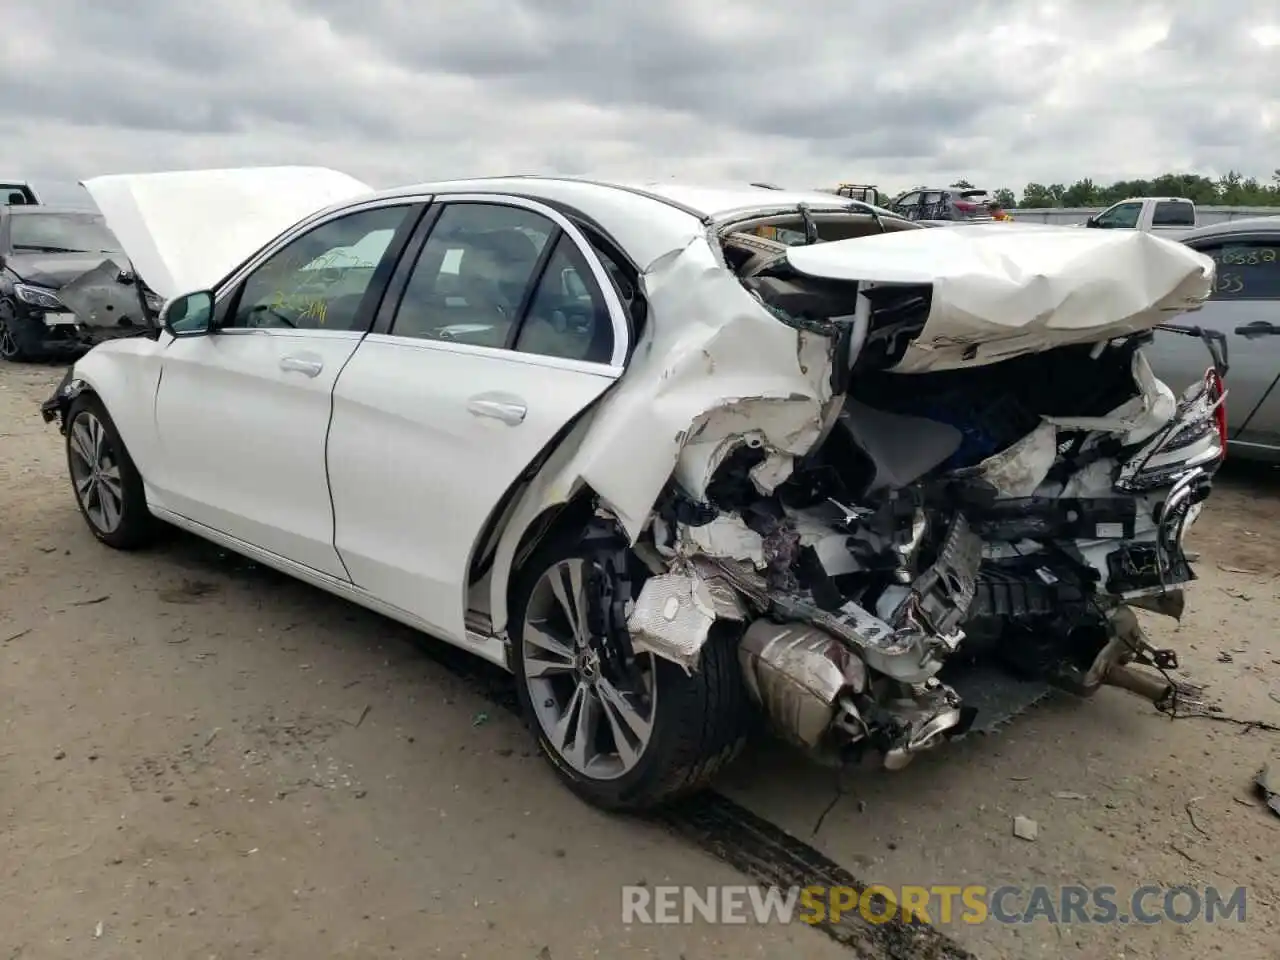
1171,213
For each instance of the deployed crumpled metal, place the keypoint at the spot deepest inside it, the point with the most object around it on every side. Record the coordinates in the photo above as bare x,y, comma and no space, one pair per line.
999,293
722,372
109,301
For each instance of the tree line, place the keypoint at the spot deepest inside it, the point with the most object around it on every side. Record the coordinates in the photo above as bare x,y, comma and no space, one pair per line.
1232,190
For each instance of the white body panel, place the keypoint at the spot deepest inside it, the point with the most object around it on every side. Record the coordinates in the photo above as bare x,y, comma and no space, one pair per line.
420,454
241,422
489,647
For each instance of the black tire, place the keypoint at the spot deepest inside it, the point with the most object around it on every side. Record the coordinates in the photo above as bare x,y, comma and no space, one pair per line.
700,721
136,526
12,340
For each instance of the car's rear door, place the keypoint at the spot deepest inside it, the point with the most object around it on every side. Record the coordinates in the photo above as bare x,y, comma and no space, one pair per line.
242,413
933,206
1249,282
1246,299
501,327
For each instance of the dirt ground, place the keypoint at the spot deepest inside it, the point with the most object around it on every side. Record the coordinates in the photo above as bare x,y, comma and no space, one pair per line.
200,758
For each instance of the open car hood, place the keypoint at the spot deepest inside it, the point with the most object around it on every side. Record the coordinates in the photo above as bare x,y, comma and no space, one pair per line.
185,230
998,293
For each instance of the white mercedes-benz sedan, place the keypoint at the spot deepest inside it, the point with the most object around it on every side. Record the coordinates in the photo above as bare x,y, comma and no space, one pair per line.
671,455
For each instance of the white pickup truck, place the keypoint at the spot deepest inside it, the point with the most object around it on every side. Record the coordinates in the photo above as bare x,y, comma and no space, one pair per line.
1167,216
17,192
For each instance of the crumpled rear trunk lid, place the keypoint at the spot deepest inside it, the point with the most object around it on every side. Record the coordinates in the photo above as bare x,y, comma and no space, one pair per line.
1001,290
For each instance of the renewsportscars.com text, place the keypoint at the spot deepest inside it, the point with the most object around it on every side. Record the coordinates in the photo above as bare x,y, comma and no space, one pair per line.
937,903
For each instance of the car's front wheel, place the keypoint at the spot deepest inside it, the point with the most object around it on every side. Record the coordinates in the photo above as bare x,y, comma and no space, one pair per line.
11,345
107,485
623,733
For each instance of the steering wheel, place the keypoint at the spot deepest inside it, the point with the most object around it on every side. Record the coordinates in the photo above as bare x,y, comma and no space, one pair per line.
261,308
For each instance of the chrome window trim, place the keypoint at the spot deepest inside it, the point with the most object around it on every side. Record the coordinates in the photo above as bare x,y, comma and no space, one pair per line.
611,371
228,284
617,314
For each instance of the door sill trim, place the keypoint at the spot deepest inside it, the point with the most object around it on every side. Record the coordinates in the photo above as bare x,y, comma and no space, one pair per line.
486,646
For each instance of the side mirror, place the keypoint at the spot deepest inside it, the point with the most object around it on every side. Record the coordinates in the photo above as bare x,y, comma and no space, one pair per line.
1092,221
190,315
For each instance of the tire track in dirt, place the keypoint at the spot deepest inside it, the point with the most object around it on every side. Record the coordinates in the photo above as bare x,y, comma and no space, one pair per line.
757,848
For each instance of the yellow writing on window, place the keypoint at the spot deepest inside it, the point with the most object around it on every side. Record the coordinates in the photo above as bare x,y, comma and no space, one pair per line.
1246,256
302,306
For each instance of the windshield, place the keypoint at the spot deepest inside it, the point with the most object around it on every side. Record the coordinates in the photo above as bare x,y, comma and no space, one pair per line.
62,233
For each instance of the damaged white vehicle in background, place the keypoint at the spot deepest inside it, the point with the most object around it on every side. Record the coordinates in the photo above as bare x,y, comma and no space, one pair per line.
887,486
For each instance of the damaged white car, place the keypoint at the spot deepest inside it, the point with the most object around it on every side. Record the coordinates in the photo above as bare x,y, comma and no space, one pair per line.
886,485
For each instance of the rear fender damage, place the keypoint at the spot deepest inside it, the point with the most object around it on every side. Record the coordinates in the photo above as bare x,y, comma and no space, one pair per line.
719,375
745,516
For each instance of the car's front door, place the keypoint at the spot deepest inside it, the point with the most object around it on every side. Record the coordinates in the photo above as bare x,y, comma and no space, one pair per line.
242,412
505,329
908,205
1123,216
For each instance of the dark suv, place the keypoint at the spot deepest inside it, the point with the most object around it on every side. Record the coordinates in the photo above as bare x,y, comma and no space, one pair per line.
948,205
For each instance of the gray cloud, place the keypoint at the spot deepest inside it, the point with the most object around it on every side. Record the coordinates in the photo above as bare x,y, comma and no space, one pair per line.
998,91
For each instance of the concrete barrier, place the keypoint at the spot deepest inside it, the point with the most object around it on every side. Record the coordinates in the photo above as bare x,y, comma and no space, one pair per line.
1204,215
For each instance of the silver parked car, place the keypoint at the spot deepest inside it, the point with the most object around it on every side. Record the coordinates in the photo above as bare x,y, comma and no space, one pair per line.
1245,309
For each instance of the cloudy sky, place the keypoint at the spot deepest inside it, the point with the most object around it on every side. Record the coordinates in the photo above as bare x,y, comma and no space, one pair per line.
803,92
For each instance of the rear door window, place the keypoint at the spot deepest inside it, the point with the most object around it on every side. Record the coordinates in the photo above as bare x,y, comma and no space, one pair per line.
567,316
473,275
1246,270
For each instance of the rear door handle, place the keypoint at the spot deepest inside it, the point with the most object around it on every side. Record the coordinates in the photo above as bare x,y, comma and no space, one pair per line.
1259,328
506,407
305,365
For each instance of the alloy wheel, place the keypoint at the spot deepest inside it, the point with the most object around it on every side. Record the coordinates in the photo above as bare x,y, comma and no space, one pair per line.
598,720
95,472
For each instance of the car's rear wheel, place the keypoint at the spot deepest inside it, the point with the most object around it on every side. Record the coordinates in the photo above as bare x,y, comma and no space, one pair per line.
107,485
622,736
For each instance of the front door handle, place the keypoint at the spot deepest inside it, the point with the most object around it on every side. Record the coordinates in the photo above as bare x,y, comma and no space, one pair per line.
305,365
506,407
1259,328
